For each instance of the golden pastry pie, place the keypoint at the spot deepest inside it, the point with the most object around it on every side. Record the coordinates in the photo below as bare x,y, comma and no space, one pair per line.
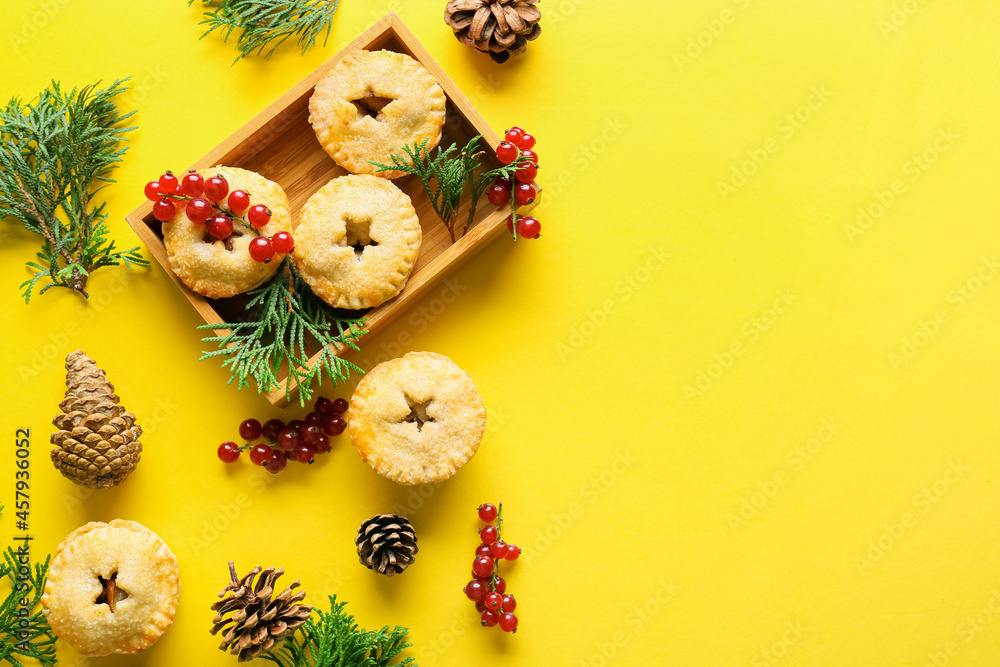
218,269
356,240
112,588
371,104
416,419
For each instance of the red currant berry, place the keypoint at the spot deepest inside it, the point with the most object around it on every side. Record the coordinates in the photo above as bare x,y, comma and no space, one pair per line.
198,210
164,210
481,606
493,600
296,424
229,452
482,567
303,454
261,249
324,406
500,585
283,243
514,135
508,603
250,430
527,142
340,406
531,155
288,439
239,201
507,152
488,534
484,550
489,618
488,513
334,425
322,444
524,194
529,228
271,429
513,551
216,188
314,419
498,194
309,434
219,227
277,462
152,190
508,622
527,173
475,590
499,549
261,455
192,184
169,184
259,215
510,224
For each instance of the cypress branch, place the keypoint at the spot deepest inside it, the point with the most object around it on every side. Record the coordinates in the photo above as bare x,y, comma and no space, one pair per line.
333,639
23,638
56,153
445,176
287,324
268,23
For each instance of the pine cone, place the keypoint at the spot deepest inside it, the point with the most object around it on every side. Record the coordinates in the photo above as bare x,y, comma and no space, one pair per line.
97,442
497,27
258,621
386,544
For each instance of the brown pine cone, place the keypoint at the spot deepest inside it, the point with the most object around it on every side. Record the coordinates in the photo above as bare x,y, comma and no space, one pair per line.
497,27
97,442
386,543
258,618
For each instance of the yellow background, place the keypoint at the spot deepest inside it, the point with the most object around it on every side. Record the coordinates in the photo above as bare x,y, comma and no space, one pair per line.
703,441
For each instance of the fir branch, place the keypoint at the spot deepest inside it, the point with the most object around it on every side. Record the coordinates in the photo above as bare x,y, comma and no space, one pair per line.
31,637
288,325
264,23
53,152
335,640
445,177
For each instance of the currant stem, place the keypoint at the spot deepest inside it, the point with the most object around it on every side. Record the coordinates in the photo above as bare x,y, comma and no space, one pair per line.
515,165
496,561
220,209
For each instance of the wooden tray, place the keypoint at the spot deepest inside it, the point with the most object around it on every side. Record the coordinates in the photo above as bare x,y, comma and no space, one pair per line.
281,145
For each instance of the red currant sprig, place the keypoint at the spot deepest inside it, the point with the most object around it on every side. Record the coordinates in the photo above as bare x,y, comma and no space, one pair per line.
297,440
488,589
517,144
205,196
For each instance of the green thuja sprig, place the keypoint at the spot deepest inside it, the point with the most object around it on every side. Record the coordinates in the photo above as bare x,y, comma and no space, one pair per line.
263,23
25,633
446,175
287,324
53,152
333,639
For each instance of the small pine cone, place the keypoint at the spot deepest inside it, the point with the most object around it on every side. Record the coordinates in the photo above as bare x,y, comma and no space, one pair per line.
386,543
258,620
496,27
97,444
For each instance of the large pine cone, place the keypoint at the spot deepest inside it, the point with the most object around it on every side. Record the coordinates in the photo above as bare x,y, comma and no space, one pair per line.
386,543
258,620
497,27
97,442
